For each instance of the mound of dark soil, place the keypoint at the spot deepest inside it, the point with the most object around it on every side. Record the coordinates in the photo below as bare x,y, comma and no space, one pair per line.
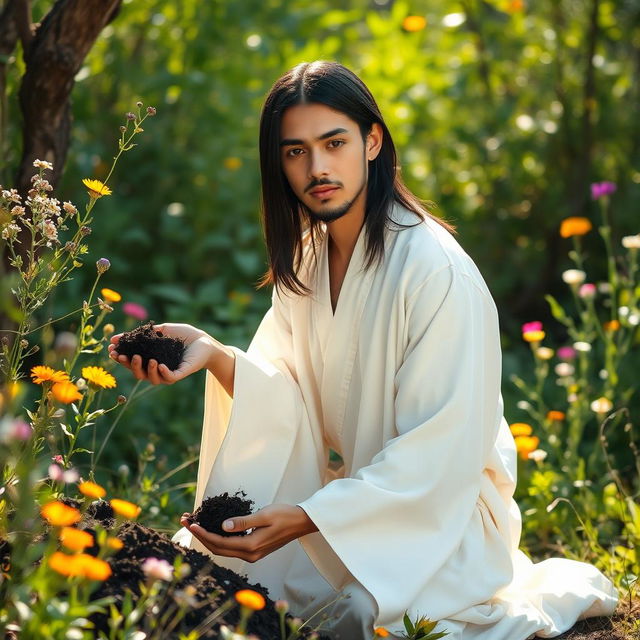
214,511
615,628
149,343
212,585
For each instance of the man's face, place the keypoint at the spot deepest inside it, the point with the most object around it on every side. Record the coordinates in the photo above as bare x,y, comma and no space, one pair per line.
324,158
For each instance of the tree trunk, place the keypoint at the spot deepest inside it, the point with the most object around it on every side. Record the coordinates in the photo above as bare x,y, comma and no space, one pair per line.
53,59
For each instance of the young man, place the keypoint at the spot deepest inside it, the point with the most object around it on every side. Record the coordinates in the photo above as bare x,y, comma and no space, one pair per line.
382,344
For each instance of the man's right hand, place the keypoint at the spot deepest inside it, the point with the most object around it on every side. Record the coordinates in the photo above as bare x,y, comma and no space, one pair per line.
201,351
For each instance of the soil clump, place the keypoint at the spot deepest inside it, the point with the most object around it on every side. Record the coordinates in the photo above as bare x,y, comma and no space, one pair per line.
215,510
150,343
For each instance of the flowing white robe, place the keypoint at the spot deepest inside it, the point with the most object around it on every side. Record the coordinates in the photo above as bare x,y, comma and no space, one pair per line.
403,380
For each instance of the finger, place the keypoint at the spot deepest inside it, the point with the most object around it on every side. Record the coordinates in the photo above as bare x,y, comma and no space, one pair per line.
242,523
115,338
245,544
152,372
168,375
136,367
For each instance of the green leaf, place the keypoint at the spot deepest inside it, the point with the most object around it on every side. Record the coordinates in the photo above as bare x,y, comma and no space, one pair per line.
408,625
557,311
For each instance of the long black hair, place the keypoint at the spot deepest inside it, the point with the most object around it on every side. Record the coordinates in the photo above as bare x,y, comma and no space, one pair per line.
283,219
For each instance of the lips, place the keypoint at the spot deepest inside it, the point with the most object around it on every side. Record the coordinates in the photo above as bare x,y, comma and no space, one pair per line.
324,192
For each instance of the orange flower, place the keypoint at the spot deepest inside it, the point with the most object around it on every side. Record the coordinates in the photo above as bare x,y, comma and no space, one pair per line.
115,543
80,564
521,429
42,373
110,295
98,377
414,23
75,538
66,392
526,444
250,599
124,508
59,514
575,226
381,632
515,6
612,325
92,490
556,416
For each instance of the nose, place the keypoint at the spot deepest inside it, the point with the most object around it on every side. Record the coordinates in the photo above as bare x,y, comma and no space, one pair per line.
318,165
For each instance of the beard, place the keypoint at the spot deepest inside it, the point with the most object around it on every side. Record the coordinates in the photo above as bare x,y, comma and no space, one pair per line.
329,215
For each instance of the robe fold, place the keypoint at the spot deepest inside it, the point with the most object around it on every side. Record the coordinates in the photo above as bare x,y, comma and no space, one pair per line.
403,381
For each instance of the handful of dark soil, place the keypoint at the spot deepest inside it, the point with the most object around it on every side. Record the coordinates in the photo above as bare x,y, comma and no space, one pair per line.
214,511
149,343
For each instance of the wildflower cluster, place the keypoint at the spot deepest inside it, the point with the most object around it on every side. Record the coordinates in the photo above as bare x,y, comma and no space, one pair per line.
571,422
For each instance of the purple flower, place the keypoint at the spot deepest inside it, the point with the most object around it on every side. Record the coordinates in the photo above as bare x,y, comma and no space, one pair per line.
566,353
135,310
103,265
131,116
599,189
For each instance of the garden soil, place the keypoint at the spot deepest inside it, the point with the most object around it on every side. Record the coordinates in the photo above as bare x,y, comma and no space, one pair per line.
149,343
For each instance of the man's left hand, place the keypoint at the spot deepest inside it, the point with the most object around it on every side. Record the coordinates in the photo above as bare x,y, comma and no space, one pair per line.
273,526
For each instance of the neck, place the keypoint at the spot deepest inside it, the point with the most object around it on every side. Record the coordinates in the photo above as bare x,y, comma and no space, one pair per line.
344,232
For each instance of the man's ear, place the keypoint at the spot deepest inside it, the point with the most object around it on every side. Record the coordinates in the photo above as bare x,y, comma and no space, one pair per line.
373,143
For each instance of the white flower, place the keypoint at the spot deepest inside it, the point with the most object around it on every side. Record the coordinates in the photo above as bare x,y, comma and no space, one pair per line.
538,455
563,369
623,312
631,242
158,569
81,383
585,347
604,287
634,319
49,230
523,404
574,276
601,405
42,164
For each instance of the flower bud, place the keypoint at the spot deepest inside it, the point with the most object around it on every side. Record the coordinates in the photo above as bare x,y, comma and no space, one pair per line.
81,383
151,111
85,231
122,399
70,247
122,128
138,104
24,343
281,606
123,470
130,116
103,265
108,330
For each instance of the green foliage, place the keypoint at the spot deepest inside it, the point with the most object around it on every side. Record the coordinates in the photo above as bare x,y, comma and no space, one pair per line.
421,629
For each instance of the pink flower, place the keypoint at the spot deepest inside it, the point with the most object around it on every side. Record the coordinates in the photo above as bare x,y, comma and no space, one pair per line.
20,430
587,291
55,473
135,310
157,569
599,189
58,458
566,353
529,327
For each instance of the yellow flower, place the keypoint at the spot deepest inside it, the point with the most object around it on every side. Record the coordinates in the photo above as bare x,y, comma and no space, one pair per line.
232,163
96,188
381,632
99,377
414,23
124,508
110,295
575,226
115,543
92,490
556,416
533,336
59,514
42,373
526,444
75,538
66,392
80,564
521,429
250,599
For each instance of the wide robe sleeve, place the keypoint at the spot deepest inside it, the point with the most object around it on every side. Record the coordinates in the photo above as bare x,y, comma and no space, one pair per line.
252,442
399,523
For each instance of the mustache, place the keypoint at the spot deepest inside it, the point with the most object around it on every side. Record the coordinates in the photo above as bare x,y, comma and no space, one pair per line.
317,183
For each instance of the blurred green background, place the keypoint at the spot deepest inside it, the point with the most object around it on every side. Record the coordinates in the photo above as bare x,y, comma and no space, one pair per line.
503,113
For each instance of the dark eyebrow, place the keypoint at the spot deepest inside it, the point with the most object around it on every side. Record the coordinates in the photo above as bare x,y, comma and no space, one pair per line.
292,141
